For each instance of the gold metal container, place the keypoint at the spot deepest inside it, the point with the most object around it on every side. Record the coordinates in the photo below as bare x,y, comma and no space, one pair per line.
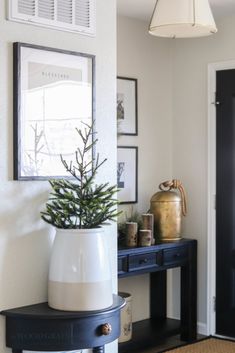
166,206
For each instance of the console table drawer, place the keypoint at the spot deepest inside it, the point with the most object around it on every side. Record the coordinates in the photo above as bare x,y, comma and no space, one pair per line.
142,261
175,255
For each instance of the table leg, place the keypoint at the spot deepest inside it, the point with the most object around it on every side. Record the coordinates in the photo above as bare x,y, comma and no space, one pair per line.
189,297
158,294
98,349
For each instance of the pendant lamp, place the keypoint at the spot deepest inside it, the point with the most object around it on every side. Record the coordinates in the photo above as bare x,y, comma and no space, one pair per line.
182,19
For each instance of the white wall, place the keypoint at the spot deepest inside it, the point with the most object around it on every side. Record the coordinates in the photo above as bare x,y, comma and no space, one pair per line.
25,241
191,59
150,61
172,77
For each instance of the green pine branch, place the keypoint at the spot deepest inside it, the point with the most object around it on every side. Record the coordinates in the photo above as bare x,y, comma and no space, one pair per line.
80,203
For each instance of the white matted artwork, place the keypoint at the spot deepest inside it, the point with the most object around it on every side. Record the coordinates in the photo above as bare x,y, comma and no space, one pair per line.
53,96
127,106
127,174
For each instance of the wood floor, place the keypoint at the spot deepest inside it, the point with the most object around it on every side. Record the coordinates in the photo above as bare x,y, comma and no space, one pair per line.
169,343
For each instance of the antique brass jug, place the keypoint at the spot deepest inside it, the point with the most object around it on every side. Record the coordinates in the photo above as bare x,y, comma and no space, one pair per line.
167,208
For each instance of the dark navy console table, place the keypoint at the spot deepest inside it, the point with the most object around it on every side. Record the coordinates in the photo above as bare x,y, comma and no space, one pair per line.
40,328
156,260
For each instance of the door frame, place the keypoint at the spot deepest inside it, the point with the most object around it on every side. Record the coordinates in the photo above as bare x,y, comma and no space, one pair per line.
211,187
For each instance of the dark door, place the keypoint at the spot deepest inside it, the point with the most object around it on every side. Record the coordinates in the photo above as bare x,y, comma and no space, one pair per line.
225,203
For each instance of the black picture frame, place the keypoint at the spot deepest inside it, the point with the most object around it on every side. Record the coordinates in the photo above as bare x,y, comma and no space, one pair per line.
127,174
127,106
36,69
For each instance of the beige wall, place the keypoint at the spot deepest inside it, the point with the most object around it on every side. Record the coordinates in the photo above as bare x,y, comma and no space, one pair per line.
150,61
25,241
190,143
172,77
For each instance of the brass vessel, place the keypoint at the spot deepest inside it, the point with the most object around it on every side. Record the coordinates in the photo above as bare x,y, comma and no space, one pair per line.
167,208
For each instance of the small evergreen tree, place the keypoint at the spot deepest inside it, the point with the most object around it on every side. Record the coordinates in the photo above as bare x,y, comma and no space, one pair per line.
80,203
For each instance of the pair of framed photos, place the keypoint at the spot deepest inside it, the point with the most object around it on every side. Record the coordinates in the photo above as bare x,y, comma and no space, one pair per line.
127,124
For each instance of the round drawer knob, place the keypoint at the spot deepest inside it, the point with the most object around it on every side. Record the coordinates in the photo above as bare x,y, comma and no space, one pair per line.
106,329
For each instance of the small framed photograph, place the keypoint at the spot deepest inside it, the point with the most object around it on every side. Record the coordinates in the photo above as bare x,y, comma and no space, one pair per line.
127,122
53,96
127,174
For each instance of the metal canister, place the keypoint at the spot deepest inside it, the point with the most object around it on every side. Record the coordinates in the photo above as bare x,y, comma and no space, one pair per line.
167,208
126,318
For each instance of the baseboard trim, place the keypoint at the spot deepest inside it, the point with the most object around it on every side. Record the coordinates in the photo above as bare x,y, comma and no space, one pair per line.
202,328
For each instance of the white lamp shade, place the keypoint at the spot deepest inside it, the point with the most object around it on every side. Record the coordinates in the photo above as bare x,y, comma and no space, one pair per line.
182,19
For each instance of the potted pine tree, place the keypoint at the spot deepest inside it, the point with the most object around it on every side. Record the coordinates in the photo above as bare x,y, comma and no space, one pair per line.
79,273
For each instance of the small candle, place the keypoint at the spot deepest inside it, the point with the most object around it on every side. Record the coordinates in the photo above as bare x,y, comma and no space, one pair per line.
145,237
148,222
131,234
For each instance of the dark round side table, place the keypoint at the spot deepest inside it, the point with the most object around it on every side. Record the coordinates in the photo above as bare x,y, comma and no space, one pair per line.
40,328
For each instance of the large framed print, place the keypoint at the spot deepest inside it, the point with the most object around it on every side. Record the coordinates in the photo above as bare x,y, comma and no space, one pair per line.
127,120
53,96
127,174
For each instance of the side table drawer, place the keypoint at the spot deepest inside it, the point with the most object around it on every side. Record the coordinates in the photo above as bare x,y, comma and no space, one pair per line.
142,261
175,255
60,335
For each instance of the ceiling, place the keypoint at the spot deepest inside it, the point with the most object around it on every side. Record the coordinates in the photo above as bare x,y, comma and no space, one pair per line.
142,9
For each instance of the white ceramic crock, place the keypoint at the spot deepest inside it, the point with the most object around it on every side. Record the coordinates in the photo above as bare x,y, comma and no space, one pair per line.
79,274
